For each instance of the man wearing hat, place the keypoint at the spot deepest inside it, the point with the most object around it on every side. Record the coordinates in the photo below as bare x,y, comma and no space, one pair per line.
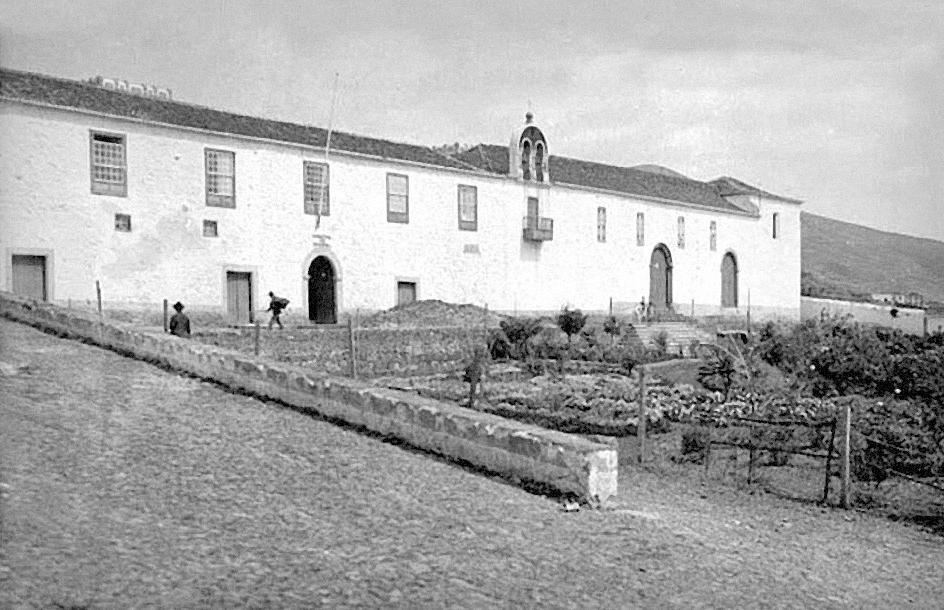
179,322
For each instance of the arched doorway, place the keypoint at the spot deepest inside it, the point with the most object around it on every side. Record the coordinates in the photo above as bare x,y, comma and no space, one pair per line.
729,281
322,308
660,278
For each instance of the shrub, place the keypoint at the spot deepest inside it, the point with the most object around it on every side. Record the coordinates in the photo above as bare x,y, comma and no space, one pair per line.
695,440
612,326
571,321
515,333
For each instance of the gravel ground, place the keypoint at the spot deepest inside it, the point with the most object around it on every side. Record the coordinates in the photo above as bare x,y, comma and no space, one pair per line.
125,486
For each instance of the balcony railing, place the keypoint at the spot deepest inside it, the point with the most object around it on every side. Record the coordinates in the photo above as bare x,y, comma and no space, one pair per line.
537,228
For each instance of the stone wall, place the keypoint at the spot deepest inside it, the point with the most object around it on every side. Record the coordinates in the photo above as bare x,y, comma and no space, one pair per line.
380,351
568,463
907,319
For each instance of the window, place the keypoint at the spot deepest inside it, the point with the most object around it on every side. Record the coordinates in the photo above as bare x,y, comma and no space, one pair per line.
123,222
713,235
776,225
406,293
398,198
640,229
220,178
108,164
316,188
539,162
681,231
601,224
209,228
526,160
468,208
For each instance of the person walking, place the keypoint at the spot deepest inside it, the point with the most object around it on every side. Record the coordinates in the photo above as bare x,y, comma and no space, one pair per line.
276,306
179,322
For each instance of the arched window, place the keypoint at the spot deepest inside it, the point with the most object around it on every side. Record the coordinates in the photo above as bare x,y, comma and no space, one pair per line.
539,162
526,160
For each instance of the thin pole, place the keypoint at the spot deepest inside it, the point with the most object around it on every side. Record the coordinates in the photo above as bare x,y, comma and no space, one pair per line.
748,310
165,315
255,338
352,347
611,307
641,418
845,488
829,459
98,296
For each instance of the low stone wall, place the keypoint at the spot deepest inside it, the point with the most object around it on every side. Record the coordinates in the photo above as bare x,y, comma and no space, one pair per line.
907,319
380,351
565,462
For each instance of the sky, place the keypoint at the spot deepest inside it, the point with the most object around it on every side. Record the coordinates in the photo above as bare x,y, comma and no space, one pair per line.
839,104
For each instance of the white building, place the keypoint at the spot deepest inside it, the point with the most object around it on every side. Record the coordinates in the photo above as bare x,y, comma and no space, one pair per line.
160,199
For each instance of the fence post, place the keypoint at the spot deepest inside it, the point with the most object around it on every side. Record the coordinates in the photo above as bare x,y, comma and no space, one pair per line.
98,296
829,457
641,418
845,488
611,307
693,308
165,315
255,338
351,346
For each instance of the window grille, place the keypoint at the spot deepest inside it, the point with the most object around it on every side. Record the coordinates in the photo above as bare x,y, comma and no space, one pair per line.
220,178
109,169
316,188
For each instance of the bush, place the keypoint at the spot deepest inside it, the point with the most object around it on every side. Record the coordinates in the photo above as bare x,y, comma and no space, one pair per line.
612,326
571,321
695,440
514,336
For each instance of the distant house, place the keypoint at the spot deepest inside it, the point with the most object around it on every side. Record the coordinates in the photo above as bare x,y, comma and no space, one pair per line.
162,199
909,299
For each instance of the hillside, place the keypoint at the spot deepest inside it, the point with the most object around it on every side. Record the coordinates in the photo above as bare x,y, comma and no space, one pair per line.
844,260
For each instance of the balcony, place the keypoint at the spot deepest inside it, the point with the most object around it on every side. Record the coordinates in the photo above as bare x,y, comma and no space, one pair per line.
536,228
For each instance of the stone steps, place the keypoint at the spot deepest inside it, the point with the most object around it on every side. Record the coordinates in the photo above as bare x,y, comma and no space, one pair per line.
680,335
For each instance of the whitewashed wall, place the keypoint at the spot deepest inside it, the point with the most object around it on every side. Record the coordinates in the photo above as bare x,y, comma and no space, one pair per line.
46,205
910,320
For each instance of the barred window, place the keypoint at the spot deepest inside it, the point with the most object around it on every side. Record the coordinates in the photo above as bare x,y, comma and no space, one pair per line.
601,224
468,208
108,164
316,188
123,223
210,228
398,198
681,231
640,229
220,178
713,235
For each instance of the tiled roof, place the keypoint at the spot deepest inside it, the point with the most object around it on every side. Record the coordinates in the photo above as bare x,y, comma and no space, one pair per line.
627,180
732,186
31,87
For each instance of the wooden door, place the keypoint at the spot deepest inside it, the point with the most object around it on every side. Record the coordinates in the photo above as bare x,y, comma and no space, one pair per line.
729,281
322,306
660,278
239,297
406,293
29,276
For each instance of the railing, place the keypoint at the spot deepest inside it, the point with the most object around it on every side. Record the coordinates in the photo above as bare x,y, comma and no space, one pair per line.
537,228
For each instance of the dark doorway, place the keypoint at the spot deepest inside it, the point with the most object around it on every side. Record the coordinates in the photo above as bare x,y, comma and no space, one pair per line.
321,300
660,278
729,281
29,276
239,297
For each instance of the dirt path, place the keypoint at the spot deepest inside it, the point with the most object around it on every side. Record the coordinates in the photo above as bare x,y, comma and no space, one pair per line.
124,486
